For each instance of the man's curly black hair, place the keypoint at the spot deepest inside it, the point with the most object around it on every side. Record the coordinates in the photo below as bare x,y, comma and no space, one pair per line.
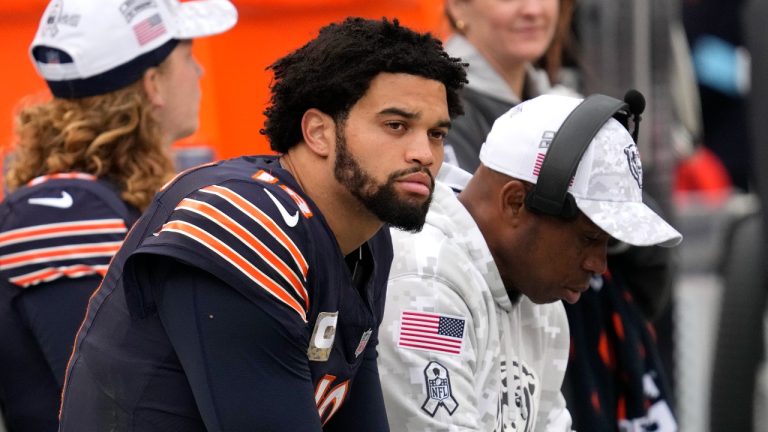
333,71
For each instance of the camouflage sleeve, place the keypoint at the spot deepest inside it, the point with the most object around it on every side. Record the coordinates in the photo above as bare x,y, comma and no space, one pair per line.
558,418
553,413
428,357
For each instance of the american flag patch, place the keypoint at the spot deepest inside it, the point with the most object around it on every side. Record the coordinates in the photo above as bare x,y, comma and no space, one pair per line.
431,332
149,29
539,161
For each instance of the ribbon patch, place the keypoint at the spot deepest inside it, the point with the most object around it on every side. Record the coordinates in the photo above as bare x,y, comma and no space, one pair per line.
438,390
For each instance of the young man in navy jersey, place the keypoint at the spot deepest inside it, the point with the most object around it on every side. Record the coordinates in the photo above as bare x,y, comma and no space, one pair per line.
249,295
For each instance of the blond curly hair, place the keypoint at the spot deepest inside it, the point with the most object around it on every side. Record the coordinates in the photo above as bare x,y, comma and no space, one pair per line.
111,136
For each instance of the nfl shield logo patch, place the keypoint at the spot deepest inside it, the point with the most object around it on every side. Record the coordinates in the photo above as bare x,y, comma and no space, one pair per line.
439,393
363,342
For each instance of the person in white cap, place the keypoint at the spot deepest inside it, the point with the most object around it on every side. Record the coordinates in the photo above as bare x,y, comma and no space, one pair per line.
125,86
475,337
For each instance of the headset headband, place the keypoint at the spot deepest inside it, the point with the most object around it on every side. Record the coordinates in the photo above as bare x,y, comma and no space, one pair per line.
550,193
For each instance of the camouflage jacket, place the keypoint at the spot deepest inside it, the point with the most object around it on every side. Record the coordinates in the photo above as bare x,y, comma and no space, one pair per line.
455,353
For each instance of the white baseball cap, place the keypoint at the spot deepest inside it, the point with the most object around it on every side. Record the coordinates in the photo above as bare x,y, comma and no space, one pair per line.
89,47
607,186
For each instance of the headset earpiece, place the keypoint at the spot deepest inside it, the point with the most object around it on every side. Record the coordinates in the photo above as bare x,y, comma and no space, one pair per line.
636,102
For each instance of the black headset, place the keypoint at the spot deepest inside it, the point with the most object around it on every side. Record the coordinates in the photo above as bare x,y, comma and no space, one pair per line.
550,193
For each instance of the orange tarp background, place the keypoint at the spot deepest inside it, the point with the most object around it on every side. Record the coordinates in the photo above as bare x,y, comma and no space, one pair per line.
235,83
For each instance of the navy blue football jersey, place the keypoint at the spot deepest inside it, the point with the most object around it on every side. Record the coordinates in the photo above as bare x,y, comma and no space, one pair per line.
57,236
231,307
61,226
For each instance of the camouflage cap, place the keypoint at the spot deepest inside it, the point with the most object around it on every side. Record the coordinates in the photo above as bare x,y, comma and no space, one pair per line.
607,186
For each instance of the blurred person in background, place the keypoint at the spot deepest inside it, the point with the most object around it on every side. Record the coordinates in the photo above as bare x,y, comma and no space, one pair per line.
515,50
86,163
721,60
739,387
503,42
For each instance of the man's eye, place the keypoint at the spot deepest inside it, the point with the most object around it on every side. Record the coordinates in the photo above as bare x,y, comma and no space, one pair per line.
437,135
396,125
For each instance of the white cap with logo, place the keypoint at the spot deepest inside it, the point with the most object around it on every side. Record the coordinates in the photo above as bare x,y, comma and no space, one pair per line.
607,186
89,47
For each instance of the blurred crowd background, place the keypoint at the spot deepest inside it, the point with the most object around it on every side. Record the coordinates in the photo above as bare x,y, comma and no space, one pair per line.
701,65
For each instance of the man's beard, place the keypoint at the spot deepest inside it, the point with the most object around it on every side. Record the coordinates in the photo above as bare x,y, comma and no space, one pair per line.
380,199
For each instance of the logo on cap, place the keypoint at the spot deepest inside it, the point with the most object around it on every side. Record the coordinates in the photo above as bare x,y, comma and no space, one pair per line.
633,158
149,29
546,139
57,16
131,8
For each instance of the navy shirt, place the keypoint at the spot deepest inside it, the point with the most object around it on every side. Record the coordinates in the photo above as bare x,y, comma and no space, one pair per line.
230,307
57,236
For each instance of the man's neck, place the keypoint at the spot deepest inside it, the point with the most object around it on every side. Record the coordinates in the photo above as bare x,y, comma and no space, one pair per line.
351,223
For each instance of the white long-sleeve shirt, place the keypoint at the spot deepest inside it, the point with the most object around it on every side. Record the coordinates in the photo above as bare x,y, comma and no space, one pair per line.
455,353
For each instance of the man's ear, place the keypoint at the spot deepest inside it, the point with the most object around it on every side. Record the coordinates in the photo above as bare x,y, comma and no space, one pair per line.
512,199
319,131
456,10
152,86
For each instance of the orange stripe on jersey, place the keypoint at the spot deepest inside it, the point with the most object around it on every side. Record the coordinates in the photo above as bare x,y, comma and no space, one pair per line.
262,219
595,399
63,229
651,330
53,273
45,178
217,216
240,263
621,408
605,351
264,176
618,325
303,206
35,256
